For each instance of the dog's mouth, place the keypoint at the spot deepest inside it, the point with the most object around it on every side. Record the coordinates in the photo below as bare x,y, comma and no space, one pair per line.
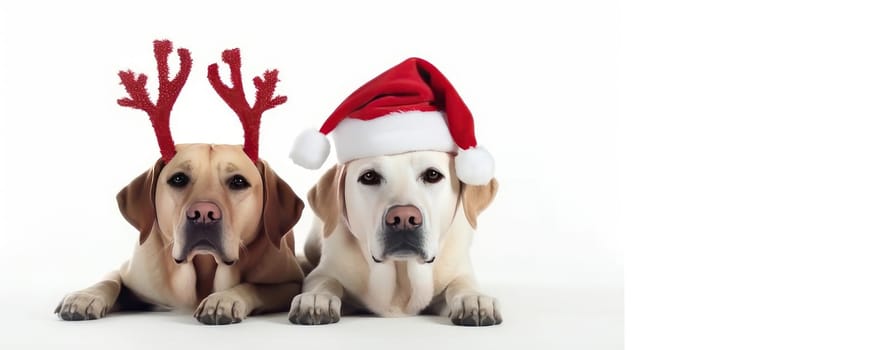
403,245
203,244
204,247
421,258
203,239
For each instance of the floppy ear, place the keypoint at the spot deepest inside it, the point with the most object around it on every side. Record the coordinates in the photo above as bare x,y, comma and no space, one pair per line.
476,198
136,201
325,199
282,207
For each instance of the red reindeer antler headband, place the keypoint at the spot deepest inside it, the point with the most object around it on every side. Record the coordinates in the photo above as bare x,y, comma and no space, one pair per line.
168,90
235,97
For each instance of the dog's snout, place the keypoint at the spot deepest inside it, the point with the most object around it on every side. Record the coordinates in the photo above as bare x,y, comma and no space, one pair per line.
204,212
404,217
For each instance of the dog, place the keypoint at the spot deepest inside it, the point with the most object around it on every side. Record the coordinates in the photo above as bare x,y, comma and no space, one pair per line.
215,236
214,220
392,237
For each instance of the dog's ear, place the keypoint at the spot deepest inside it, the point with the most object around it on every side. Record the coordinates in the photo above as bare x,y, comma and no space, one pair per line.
476,198
136,201
326,199
282,207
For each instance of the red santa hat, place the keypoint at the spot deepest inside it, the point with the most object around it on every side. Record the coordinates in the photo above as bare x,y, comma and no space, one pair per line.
410,107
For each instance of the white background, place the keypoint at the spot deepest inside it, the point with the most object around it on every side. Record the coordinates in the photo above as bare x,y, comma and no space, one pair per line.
540,79
756,162
741,149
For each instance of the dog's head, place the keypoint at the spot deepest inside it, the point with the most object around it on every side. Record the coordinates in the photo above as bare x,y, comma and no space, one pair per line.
210,199
401,205
201,198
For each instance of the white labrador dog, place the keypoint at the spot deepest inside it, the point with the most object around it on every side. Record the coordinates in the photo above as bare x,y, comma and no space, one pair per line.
392,237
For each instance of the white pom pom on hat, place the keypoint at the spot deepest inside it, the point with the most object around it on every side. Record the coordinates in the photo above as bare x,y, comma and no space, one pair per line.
474,166
410,107
310,150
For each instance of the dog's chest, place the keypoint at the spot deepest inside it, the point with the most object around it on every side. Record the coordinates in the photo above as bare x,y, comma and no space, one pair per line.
205,273
399,288
191,283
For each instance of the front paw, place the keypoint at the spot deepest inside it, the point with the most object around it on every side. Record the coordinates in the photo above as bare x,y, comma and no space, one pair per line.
221,308
474,310
82,305
315,308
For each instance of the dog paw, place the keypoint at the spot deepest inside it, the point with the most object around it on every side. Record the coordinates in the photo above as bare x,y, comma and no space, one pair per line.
79,306
221,308
315,308
474,310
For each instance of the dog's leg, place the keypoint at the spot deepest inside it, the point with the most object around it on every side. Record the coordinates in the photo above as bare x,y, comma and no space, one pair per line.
320,303
468,307
91,303
234,304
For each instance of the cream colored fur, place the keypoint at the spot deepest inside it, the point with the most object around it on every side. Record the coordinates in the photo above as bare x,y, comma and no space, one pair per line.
344,239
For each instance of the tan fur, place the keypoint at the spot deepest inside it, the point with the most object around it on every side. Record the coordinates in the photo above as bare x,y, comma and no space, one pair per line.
345,276
326,197
257,236
477,198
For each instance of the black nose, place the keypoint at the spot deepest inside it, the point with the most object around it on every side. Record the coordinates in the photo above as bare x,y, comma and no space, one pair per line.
404,217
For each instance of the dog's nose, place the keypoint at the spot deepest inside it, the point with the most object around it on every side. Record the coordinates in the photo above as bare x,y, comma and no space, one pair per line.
404,217
204,212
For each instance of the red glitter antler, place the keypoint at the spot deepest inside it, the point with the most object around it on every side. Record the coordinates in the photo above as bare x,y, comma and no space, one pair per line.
168,90
235,97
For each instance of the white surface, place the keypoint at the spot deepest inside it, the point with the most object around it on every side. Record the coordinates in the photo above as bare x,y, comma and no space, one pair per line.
756,174
547,247
536,318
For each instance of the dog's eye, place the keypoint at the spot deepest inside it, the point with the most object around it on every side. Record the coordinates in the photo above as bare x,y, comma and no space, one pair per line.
432,176
179,180
238,182
370,178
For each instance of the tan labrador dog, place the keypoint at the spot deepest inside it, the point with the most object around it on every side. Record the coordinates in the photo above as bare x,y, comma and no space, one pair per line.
214,220
215,236
392,237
